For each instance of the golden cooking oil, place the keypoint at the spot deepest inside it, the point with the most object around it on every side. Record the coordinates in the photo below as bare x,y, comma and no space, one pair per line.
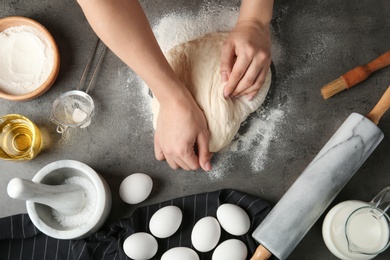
20,138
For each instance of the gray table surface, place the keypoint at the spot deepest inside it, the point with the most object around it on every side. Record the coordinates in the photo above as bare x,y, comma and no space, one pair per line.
314,42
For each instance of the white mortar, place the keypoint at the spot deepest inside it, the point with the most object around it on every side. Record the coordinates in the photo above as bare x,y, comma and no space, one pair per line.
54,174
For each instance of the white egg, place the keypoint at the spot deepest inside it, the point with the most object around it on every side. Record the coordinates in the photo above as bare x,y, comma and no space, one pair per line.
180,253
166,221
205,234
140,246
233,219
135,188
232,249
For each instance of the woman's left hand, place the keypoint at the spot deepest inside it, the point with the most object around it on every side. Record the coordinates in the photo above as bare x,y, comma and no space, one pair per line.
245,59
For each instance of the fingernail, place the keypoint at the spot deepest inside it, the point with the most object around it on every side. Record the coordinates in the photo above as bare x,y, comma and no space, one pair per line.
249,97
226,94
207,166
224,76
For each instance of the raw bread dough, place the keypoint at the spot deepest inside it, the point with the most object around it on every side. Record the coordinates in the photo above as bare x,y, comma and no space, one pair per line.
197,65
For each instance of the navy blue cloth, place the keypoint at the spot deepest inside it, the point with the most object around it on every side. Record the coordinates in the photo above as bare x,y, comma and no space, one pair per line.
20,239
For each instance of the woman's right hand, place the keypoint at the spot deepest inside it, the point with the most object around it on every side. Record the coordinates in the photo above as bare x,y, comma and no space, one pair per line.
182,136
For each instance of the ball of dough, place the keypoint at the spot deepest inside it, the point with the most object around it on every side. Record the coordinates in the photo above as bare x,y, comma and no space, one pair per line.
197,63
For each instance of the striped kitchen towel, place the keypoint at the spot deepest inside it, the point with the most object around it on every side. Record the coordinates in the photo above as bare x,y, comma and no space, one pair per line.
20,239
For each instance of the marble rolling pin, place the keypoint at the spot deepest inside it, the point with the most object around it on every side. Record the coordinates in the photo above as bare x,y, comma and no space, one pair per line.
313,191
65,198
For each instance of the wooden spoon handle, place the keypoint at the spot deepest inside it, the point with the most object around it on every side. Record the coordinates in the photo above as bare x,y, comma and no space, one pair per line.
380,108
360,73
261,253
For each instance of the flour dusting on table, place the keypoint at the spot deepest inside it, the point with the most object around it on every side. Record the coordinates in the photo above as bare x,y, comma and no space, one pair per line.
261,127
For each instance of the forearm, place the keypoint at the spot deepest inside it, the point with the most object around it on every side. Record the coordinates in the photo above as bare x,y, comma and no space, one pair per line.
181,126
124,28
256,10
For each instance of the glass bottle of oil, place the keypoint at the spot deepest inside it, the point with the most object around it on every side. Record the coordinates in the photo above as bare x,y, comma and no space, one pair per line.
20,139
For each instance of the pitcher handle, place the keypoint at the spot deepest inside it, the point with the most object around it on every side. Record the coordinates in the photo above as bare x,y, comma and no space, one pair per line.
382,200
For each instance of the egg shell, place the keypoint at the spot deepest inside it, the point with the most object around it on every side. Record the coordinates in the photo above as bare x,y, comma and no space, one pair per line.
232,249
140,246
165,221
233,219
205,234
135,188
180,253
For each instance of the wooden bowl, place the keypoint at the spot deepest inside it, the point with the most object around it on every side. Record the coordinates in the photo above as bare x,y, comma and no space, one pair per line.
12,21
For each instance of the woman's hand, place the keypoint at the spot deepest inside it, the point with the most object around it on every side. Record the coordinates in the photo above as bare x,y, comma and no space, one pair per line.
182,136
246,53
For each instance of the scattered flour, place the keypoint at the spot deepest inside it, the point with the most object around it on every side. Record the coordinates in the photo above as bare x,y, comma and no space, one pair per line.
178,28
253,145
26,59
85,214
261,127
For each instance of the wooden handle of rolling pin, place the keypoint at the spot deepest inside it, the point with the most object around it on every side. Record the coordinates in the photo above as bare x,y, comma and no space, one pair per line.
360,73
261,253
380,108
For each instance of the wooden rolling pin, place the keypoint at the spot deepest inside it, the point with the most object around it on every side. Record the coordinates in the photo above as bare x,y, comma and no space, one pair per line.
381,107
305,201
355,76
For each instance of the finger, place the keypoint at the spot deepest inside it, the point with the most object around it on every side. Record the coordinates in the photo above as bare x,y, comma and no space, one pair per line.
251,92
248,80
204,152
172,163
187,163
182,164
251,95
227,61
158,153
192,161
254,87
187,160
238,71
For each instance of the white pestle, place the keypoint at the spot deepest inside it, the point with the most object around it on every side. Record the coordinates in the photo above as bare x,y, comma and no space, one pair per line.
65,198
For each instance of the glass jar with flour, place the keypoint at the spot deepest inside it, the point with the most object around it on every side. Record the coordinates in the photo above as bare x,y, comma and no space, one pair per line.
358,230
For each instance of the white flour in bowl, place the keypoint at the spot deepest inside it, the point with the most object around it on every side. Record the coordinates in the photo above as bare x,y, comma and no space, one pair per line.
26,59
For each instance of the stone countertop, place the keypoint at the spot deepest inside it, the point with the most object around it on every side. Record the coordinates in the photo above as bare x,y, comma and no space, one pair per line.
314,42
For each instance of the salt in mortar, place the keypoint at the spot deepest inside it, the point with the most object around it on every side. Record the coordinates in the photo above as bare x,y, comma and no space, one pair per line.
26,59
85,214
